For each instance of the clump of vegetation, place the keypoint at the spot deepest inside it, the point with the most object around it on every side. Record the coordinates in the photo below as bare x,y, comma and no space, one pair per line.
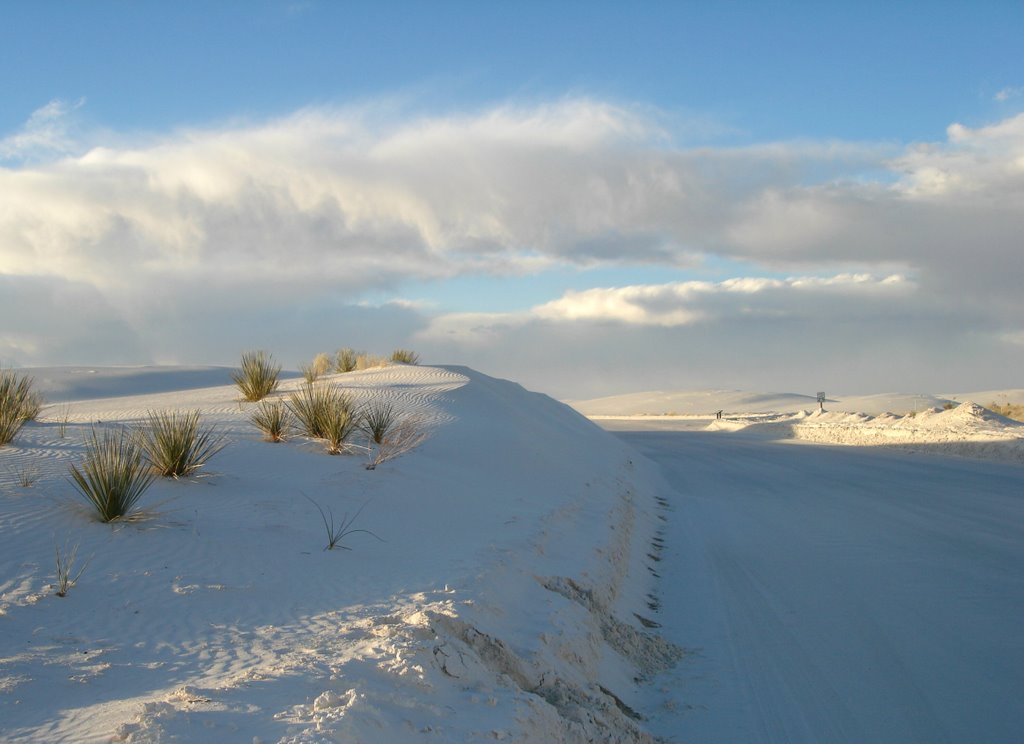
18,403
377,419
408,433
65,569
1013,411
339,424
370,361
114,474
62,416
273,419
27,476
325,412
345,360
335,534
258,376
176,445
405,356
316,369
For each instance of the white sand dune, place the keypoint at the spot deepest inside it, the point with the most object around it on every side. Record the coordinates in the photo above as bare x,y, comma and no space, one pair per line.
707,402
536,581
500,603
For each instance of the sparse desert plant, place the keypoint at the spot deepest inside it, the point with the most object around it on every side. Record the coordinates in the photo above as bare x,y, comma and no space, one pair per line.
338,424
325,412
114,474
404,435
335,534
176,445
316,369
258,376
312,403
65,569
18,403
405,356
377,418
370,361
27,476
273,419
1013,411
345,360
62,416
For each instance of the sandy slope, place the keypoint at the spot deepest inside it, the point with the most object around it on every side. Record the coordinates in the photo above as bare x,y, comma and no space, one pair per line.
500,603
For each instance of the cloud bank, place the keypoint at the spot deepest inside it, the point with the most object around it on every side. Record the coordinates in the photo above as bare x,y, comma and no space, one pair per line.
191,244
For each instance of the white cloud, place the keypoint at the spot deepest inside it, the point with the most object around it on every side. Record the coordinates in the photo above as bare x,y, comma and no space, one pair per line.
685,303
47,133
232,231
1005,94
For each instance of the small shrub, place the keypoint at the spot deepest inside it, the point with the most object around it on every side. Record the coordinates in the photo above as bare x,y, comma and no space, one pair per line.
114,474
335,534
273,419
377,418
345,360
405,356
258,376
27,476
403,436
18,403
316,369
312,404
1013,411
338,425
63,415
65,568
176,445
370,361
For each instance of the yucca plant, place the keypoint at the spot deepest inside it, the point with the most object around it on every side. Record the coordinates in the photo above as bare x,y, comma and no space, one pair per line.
405,356
325,412
176,445
370,361
273,419
18,403
258,376
114,474
377,418
338,424
345,360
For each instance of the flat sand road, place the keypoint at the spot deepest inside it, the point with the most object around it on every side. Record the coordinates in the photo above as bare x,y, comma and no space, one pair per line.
839,594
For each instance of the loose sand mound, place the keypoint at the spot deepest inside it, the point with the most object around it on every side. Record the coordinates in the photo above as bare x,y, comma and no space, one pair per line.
504,600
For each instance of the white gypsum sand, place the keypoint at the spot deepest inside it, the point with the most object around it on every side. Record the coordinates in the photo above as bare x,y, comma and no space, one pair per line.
499,604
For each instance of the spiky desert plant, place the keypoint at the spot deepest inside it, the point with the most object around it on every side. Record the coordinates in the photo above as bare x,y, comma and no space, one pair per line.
65,568
312,404
377,418
370,361
405,356
62,417
18,403
114,474
338,424
335,534
405,435
258,376
345,360
176,445
273,419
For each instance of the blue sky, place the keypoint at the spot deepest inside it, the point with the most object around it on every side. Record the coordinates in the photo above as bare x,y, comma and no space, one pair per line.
783,195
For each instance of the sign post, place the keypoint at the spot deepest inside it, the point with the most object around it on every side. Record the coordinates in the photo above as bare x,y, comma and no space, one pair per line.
821,401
